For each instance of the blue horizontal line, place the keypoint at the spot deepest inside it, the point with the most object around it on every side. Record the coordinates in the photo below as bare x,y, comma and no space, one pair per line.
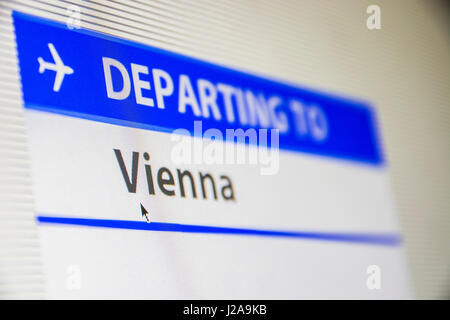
384,239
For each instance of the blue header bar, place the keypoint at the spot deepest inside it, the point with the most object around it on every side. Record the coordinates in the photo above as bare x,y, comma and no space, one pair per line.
90,75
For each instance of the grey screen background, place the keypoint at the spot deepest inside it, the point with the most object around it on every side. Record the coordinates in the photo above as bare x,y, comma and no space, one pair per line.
403,69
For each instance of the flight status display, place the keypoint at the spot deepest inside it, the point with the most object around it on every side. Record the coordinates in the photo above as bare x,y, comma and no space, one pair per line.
158,175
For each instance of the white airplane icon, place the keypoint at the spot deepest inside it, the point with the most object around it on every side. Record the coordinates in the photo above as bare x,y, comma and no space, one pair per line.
59,67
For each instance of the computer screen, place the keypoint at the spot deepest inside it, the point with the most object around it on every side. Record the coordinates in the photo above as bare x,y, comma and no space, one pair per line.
222,150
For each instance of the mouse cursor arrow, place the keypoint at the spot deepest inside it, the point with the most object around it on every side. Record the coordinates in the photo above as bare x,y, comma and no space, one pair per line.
144,212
